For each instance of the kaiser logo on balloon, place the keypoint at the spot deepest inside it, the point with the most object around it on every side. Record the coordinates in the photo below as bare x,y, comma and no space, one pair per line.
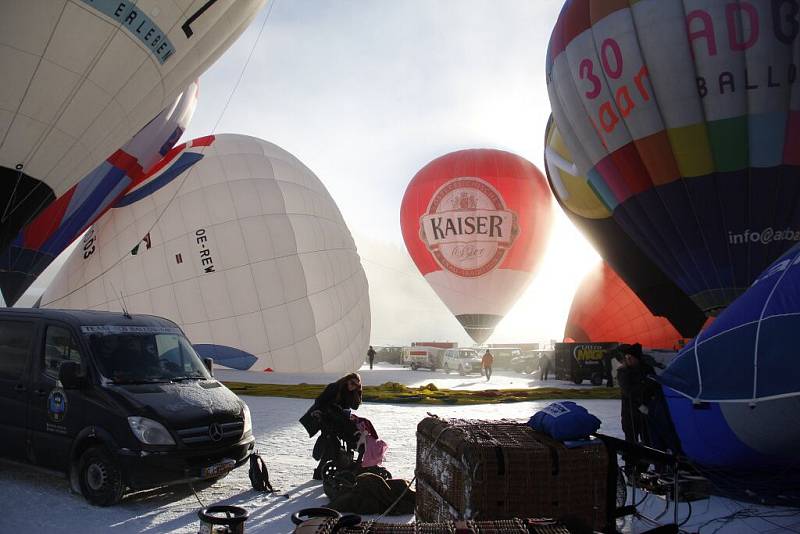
467,227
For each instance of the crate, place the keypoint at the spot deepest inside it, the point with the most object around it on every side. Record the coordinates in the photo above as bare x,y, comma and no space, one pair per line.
508,526
493,470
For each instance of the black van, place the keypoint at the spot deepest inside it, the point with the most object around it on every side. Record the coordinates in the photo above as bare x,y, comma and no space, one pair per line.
115,401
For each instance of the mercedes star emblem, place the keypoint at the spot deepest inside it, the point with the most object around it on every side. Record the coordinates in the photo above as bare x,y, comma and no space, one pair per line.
215,431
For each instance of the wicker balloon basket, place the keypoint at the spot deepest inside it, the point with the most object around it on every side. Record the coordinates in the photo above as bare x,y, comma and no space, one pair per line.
496,470
509,526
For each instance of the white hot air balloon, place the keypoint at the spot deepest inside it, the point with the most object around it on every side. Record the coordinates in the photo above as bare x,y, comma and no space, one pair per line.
66,218
81,77
239,243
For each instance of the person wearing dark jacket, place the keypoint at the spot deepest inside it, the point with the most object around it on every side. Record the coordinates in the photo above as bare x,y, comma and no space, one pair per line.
330,415
371,356
639,389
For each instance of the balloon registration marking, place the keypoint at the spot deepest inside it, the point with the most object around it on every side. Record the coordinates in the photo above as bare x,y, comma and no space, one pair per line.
138,24
467,227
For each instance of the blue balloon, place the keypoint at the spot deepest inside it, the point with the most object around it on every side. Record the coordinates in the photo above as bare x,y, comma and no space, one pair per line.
734,391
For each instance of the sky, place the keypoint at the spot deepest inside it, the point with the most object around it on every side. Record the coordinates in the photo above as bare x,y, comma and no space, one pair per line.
366,93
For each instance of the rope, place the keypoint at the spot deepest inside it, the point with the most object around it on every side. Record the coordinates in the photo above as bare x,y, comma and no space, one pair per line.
196,496
372,522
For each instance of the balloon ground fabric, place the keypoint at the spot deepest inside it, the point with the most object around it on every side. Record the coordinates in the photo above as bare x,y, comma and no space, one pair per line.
240,244
80,77
476,223
683,117
605,309
58,225
734,391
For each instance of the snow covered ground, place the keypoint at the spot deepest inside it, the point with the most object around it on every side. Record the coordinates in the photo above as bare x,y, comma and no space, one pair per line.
37,501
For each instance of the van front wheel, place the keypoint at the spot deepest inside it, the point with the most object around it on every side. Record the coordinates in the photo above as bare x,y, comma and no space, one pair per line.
100,477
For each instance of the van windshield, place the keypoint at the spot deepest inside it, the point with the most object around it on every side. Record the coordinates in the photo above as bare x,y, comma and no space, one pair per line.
145,355
466,354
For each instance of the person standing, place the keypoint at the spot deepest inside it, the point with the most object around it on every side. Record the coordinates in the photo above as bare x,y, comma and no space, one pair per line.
544,366
637,390
371,356
486,362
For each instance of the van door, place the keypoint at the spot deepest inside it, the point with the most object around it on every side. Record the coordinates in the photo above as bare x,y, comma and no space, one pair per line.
54,414
16,344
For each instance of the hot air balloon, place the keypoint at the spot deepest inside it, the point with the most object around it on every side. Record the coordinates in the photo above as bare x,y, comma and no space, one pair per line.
476,222
734,391
576,197
240,244
682,117
605,309
80,77
58,225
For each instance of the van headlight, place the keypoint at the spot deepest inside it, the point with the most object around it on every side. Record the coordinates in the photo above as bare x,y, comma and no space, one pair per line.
248,421
150,432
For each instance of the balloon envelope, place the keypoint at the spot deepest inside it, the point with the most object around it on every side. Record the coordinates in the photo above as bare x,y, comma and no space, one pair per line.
476,222
734,391
575,196
58,225
240,244
605,309
683,117
751,336
80,77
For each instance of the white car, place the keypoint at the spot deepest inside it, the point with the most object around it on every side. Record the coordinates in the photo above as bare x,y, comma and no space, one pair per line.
464,361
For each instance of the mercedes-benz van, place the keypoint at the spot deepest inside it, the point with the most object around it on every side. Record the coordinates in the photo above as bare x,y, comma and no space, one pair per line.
115,401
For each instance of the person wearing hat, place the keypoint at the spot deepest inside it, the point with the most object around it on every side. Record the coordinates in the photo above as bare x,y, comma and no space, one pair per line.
638,389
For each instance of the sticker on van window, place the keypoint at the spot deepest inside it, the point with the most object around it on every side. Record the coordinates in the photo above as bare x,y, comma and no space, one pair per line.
116,329
57,405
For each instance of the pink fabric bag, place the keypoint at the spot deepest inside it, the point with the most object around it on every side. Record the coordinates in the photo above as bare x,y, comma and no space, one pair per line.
374,447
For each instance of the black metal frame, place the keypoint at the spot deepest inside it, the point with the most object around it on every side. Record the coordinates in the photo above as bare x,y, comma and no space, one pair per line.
638,452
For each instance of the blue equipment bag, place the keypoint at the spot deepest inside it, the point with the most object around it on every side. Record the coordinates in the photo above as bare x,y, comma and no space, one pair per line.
564,420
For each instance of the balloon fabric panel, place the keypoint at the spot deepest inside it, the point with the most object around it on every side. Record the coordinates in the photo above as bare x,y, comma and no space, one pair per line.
659,95
661,296
243,248
751,336
605,309
521,186
475,222
81,77
53,230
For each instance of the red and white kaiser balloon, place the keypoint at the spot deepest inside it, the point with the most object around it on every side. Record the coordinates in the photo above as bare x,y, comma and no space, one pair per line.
475,222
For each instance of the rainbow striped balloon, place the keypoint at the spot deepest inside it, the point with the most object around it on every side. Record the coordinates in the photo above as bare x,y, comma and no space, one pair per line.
682,122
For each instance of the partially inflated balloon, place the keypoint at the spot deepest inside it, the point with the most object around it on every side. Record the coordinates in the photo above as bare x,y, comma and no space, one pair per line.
734,391
575,196
476,224
605,309
58,225
240,244
80,77
683,117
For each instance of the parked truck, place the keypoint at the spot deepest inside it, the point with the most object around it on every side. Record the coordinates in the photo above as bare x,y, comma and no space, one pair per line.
420,357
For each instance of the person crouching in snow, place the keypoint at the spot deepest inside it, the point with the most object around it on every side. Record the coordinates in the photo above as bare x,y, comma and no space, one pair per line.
331,416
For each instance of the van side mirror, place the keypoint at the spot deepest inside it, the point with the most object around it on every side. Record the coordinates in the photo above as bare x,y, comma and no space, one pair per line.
70,375
209,363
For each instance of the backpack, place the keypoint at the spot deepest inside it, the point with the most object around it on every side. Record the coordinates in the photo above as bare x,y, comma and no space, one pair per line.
259,474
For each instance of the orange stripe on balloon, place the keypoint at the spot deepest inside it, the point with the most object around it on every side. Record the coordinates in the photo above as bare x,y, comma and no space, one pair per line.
656,154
